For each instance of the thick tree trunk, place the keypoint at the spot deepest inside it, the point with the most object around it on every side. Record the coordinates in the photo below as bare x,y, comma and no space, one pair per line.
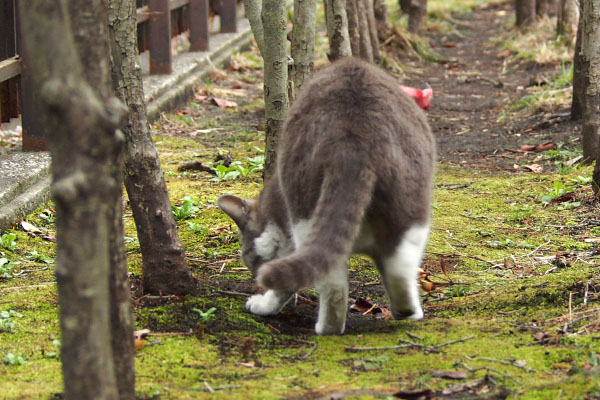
91,40
546,8
590,54
366,50
337,29
353,31
303,41
382,19
567,20
525,12
416,10
165,268
253,9
579,80
274,20
83,141
373,29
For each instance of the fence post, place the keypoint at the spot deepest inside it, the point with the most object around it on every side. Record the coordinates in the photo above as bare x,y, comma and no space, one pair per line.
9,98
198,25
159,32
31,106
228,16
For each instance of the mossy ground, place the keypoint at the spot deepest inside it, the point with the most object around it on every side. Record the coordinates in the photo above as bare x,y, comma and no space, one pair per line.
516,285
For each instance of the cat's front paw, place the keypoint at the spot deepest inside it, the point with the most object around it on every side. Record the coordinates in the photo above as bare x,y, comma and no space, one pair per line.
416,314
332,329
263,304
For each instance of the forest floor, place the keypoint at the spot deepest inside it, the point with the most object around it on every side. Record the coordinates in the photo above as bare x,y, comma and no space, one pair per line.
510,277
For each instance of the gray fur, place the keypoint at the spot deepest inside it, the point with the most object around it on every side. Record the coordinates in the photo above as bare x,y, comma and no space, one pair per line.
354,171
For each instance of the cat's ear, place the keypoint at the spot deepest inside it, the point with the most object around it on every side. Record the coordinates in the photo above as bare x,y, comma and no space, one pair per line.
238,209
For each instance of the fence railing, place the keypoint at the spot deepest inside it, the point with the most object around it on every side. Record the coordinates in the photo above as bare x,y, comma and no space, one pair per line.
158,22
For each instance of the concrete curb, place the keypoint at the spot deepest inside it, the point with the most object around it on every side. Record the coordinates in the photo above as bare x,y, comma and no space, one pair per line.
25,177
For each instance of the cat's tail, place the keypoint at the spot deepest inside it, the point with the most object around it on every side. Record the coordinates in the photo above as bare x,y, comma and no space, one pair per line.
345,195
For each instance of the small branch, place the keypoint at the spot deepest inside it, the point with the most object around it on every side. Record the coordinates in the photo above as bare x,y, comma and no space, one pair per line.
511,363
310,351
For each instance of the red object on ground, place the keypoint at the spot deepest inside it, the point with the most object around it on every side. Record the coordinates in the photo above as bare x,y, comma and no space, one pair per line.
422,97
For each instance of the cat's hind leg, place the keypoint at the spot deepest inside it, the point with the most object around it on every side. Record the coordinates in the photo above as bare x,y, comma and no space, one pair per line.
400,270
333,301
269,303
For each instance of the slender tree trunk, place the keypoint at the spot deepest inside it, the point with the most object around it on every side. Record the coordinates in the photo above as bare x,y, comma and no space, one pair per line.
303,41
546,8
590,54
337,29
353,31
91,40
416,10
274,24
373,29
366,50
253,9
579,79
165,268
567,20
382,19
83,141
525,12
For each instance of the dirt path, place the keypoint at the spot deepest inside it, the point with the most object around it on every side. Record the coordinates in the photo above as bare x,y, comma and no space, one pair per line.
471,89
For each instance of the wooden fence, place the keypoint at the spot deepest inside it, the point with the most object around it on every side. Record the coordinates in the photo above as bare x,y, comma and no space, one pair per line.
158,22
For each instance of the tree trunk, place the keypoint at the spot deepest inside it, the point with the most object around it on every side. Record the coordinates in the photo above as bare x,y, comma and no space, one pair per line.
337,29
253,9
590,54
165,268
83,142
382,19
353,31
92,46
274,20
546,8
373,29
579,80
416,10
567,20
366,50
525,12
303,41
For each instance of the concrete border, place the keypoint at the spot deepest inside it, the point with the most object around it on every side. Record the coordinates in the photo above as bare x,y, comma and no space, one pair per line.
25,177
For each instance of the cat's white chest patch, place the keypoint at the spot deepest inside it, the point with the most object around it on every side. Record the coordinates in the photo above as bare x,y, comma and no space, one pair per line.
272,243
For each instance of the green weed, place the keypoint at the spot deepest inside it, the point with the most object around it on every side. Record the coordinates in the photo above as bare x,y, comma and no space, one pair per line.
6,268
13,359
7,320
187,208
557,191
8,242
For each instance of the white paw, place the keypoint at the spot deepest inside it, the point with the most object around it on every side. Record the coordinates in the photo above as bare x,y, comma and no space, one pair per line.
417,315
263,304
323,329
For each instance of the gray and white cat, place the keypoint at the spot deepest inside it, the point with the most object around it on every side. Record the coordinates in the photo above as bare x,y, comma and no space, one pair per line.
354,170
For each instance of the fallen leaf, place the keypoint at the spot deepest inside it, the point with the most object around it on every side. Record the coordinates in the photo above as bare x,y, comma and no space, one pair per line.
361,305
504,54
201,97
456,375
50,238
535,168
527,147
449,44
249,364
29,228
545,146
223,103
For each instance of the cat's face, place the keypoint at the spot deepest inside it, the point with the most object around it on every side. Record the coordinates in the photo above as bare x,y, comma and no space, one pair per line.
244,212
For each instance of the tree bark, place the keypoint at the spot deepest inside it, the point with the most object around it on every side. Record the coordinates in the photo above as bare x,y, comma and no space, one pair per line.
416,10
353,30
91,40
590,54
366,49
382,19
546,8
567,20
372,29
303,41
253,9
579,80
165,268
525,12
83,141
274,24
337,29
